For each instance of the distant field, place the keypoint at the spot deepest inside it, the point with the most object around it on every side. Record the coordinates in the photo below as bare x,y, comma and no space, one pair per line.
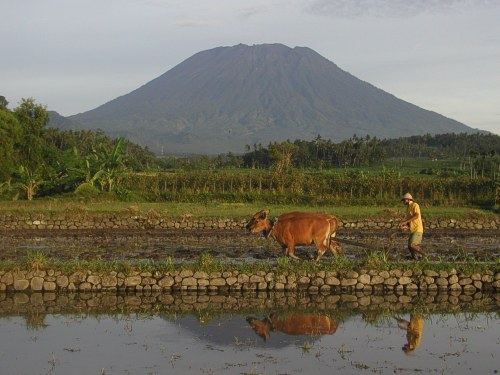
413,167
403,166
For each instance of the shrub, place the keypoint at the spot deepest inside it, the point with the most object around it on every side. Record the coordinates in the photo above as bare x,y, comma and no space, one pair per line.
86,189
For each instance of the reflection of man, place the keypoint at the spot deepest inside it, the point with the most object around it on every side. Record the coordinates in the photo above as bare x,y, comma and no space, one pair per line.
413,219
413,332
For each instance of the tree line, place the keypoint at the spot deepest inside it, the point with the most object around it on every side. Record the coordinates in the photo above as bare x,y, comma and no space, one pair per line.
317,154
36,160
365,151
41,161
478,154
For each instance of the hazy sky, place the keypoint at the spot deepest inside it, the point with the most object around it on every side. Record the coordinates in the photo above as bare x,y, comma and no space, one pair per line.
74,55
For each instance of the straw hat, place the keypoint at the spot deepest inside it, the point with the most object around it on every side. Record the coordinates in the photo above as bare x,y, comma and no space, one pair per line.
407,196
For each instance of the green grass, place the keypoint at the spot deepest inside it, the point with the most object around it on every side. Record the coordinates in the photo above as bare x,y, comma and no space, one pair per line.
68,206
414,166
36,260
409,167
376,260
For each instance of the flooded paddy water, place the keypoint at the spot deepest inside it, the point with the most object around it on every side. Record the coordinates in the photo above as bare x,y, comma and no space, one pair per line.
236,245
244,333
266,333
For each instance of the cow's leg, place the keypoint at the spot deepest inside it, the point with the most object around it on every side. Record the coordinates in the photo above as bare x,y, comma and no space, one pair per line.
291,252
284,248
335,248
322,242
320,254
321,246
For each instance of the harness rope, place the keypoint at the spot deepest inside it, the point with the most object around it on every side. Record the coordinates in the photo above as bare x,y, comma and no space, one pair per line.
273,222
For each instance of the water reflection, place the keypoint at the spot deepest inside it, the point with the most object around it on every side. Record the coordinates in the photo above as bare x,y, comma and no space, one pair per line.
243,334
293,324
414,329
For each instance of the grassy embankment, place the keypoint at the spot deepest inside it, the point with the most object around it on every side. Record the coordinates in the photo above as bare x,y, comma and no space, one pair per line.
73,206
373,260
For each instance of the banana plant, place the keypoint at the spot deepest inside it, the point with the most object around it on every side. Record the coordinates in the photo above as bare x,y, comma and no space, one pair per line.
110,165
29,181
103,167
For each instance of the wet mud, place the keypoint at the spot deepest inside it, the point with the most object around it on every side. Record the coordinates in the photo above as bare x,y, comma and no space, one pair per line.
236,245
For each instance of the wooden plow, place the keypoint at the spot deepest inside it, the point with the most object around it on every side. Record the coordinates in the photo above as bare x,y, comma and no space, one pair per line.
387,247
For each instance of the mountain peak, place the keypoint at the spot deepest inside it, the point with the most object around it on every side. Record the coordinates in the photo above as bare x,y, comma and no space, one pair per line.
222,99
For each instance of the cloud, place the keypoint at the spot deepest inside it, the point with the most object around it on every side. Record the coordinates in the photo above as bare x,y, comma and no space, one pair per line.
252,11
392,8
192,23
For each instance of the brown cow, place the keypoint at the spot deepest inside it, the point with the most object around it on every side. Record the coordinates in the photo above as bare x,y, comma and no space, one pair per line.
334,225
297,228
294,324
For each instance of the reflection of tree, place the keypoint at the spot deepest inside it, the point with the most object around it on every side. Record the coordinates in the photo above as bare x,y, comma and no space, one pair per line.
373,317
204,317
35,320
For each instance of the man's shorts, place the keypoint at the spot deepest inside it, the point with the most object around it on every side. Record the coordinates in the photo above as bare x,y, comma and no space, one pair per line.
415,238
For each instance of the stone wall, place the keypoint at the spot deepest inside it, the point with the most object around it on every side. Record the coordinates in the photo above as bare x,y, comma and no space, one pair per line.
153,221
190,280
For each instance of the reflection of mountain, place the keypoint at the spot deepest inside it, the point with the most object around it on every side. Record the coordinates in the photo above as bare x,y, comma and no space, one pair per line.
234,330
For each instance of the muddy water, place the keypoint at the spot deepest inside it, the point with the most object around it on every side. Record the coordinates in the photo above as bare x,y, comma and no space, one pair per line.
168,339
342,340
237,245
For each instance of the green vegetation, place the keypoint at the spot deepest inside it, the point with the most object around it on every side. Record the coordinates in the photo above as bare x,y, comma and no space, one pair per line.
176,210
36,260
40,162
313,188
375,260
451,170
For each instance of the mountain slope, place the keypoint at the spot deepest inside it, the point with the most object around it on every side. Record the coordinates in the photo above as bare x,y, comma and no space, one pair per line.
222,99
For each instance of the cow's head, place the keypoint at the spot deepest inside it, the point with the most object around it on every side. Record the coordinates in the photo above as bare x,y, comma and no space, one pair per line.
260,327
259,222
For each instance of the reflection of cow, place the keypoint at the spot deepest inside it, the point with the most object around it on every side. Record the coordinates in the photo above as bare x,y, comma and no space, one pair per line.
294,324
297,228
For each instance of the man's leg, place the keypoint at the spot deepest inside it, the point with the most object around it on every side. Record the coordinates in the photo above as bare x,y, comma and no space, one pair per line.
413,245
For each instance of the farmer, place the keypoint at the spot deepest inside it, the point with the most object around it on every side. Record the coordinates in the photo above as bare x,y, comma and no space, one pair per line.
413,220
